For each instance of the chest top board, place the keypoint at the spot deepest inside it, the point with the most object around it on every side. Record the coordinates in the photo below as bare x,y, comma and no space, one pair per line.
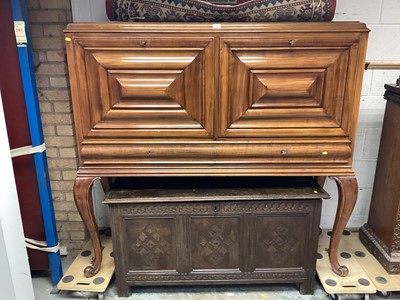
237,99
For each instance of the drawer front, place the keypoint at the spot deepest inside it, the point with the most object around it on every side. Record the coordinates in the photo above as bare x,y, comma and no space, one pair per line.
301,87
142,87
224,153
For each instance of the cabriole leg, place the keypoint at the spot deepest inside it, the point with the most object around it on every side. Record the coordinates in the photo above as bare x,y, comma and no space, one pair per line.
83,200
348,190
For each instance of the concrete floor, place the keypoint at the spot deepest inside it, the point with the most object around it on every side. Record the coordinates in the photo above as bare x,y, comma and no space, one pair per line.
43,288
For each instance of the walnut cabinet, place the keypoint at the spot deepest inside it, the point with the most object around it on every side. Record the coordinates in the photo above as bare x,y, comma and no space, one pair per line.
230,99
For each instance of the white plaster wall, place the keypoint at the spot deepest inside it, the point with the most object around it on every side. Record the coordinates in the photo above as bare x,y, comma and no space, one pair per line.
89,11
383,18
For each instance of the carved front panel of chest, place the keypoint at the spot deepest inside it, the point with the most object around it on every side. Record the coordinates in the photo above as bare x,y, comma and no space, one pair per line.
241,238
151,244
279,241
215,242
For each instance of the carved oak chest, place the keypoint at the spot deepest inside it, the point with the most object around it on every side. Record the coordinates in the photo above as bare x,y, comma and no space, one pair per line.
257,232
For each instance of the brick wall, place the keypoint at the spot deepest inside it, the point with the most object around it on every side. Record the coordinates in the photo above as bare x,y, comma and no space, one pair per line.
47,20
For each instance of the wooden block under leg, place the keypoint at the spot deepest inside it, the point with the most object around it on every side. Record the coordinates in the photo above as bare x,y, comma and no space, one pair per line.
357,282
74,279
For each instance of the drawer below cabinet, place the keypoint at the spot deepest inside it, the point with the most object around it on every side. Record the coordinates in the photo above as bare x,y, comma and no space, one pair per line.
123,154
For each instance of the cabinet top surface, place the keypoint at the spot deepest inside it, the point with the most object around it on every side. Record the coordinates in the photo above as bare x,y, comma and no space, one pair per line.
217,27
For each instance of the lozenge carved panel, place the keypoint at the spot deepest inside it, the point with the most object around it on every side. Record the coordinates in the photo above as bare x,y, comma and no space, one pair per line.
215,242
278,242
151,245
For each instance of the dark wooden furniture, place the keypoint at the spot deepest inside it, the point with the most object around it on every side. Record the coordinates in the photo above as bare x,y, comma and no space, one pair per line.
381,235
215,231
231,99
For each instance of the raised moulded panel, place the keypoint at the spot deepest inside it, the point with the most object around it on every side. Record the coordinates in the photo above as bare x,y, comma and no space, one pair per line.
157,90
148,91
272,89
283,92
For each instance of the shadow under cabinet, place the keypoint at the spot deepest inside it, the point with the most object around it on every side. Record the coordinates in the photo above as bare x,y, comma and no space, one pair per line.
225,232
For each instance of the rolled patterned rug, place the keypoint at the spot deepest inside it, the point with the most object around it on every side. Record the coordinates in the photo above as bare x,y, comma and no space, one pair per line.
220,10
